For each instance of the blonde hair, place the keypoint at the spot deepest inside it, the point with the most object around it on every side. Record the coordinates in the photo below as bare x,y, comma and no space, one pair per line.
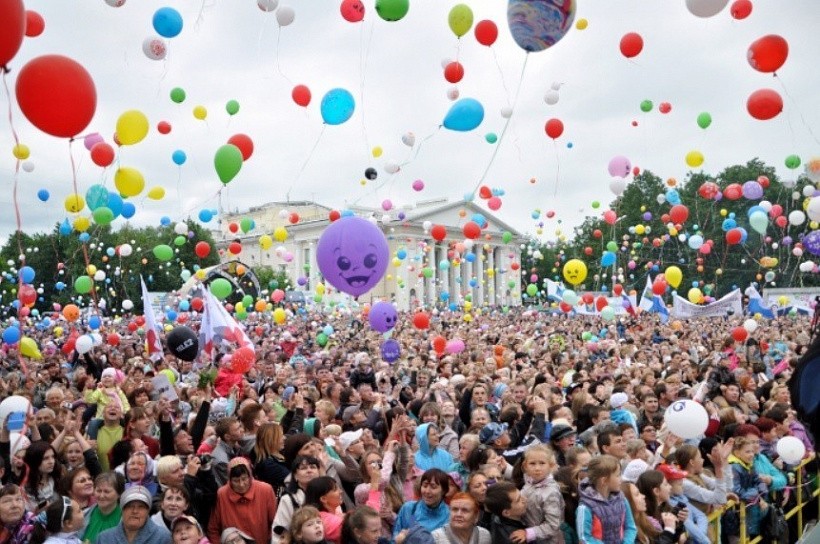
741,442
602,466
539,448
166,465
298,520
333,430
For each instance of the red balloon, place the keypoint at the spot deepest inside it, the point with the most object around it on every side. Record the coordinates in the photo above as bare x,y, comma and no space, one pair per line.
781,221
597,233
301,95
57,95
485,192
631,45
740,334
438,232
293,218
618,289
610,217
566,308
733,191
679,213
733,237
763,181
334,215
636,170
454,72
202,249
352,11
601,303
27,295
197,304
764,104
776,211
163,127
132,327
588,298
35,24
113,339
741,9
13,15
768,53
421,321
708,190
515,266
439,344
244,143
554,128
659,287
140,320
242,360
664,107
471,230
486,32
235,248
494,203
102,154
233,227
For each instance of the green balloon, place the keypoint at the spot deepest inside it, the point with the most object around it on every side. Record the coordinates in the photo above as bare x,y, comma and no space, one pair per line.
469,298
506,237
103,215
392,10
228,162
595,204
532,289
491,138
273,284
511,284
246,225
241,316
317,298
321,339
221,288
792,162
611,246
163,252
704,120
178,95
586,336
427,272
646,106
232,107
179,241
247,301
82,285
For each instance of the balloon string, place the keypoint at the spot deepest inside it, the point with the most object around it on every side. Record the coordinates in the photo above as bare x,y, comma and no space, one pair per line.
84,245
506,126
558,167
501,74
278,65
799,112
307,160
364,56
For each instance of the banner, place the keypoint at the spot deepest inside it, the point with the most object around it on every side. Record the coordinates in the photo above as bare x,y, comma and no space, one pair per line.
151,330
646,296
618,304
218,328
683,309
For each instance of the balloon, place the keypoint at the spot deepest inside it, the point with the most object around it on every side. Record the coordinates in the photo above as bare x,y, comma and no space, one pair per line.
84,344
167,22
790,449
554,128
694,295
13,405
154,48
575,271
539,24
56,94
183,343
337,106
646,106
74,203
679,214
392,10
705,8
352,254
768,53
11,335
103,215
132,127
200,112
454,72
465,115
285,15
352,10
267,5
608,313
619,166
686,419
128,210
35,24
301,93
129,181
764,104
460,19
163,252
221,288
421,320
741,9
486,32
631,45
244,143
102,154
390,350
43,195
383,316
752,190
694,159
178,95
227,162
673,276
704,120
13,14
29,348
156,193
740,334
232,107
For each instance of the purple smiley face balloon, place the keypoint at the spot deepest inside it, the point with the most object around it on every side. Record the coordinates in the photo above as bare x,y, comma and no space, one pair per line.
352,254
391,350
383,316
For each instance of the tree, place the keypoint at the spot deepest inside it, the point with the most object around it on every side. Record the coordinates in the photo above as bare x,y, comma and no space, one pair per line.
273,279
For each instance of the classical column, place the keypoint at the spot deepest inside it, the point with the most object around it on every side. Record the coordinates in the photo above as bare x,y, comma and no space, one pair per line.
479,274
491,280
500,286
431,282
466,273
314,268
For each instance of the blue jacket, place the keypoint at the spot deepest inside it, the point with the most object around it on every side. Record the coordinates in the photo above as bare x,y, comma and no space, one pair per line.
696,524
624,416
427,458
763,465
429,518
151,533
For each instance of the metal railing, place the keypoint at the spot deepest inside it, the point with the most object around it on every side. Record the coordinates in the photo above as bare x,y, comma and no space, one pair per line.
803,496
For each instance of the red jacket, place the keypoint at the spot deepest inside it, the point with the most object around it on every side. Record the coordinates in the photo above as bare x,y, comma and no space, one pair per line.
252,512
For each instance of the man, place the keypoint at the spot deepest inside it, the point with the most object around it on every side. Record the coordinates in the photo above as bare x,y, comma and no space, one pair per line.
507,506
135,527
229,432
244,503
650,411
562,439
612,443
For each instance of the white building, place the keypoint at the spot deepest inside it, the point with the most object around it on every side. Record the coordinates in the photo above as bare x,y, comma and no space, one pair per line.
492,279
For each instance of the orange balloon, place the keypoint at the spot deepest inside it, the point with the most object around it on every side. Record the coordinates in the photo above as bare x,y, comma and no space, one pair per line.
71,312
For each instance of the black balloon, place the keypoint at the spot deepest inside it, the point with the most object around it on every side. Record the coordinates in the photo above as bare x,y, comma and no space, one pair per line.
371,173
183,343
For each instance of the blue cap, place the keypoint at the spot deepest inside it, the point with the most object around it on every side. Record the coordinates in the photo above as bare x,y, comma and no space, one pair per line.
491,432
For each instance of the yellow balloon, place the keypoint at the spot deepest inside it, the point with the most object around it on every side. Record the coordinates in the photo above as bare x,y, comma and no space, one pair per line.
265,241
280,234
468,305
172,378
129,181
58,331
200,274
21,152
674,276
377,151
320,288
279,316
74,203
695,295
582,24
396,262
723,212
575,271
200,112
694,159
460,19
239,307
28,348
156,193
640,229
81,224
132,127
91,269
467,318
782,300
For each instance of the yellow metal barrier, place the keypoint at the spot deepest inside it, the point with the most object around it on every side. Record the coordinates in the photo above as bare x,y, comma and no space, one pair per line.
799,493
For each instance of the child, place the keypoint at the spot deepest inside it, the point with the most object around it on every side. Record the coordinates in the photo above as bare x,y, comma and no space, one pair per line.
306,527
545,505
746,483
107,392
603,515
696,523
508,507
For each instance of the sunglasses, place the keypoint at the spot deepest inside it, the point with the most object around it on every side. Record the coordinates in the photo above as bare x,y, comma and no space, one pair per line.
66,506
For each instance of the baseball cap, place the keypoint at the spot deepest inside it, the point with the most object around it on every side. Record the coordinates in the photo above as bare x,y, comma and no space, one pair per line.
136,493
634,469
349,437
618,399
491,432
672,473
232,531
560,432
188,519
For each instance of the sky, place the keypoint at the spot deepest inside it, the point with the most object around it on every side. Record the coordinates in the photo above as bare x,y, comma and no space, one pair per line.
232,50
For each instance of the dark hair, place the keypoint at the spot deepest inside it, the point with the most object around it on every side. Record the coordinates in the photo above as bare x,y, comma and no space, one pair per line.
56,513
182,491
479,456
777,414
605,439
498,497
65,484
747,429
33,458
294,443
300,460
357,520
114,479
437,476
647,482
223,426
120,452
684,455
318,488
238,471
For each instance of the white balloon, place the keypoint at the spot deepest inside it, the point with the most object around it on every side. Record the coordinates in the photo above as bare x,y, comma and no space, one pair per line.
427,225
750,325
791,449
452,93
115,3
813,209
391,167
84,344
808,191
96,338
126,250
705,8
154,48
127,305
506,112
386,218
408,139
556,85
686,419
469,244
28,166
181,228
766,205
660,198
797,218
99,275
285,15
267,5
806,266
617,186
789,183
551,97
570,297
14,404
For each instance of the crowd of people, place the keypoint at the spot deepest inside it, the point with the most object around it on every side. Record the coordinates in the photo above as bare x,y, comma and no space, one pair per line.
543,429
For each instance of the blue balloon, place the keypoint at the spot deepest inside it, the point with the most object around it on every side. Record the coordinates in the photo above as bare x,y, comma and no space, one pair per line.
401,254
464,115
171,315
128,210
179,157
85,237
469,197
184,305
608,258
347,213
328,330
743,235
337,106
27,274
536,25
94,322
728,224
205,215
43,195
167,22
672,196
754,209
453,306
445,296
11,335
165,221
96,197
115,204
110,252
470,257
59,286
479,219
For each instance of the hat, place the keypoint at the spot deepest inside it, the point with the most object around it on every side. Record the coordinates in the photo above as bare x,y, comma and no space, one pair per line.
499,390
635,468
559,432
672,473
573,387
231,531
136,493
239,462
617,400
190,519
491,432
109,373
349,437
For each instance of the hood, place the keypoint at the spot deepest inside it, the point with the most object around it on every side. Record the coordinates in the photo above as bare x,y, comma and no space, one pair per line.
589,494
737,461
421,437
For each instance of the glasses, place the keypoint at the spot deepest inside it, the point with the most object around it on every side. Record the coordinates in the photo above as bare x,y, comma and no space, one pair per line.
66,506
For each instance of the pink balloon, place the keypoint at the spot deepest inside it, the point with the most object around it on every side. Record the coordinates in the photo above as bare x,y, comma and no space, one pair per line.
278,295
418,185
92,139
619,167
456,345
494,203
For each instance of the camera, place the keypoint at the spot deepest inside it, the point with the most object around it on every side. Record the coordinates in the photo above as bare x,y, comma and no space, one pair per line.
676,509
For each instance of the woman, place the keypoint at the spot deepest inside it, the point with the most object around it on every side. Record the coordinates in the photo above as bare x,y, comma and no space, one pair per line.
703,491
107,513
16,524
382,488
62,521
363,526
325,495
305,469
43,473
175,502
466,444
266,456
78,485
430,511
654,487
477,485
648,530
139,470
463,526
75,451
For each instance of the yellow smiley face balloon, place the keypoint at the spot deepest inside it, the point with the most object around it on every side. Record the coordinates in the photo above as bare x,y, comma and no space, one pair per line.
575,271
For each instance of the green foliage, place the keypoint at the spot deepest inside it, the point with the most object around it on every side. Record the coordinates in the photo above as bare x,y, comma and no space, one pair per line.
266,274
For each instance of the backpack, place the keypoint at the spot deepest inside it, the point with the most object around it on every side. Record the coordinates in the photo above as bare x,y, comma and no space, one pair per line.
774,526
